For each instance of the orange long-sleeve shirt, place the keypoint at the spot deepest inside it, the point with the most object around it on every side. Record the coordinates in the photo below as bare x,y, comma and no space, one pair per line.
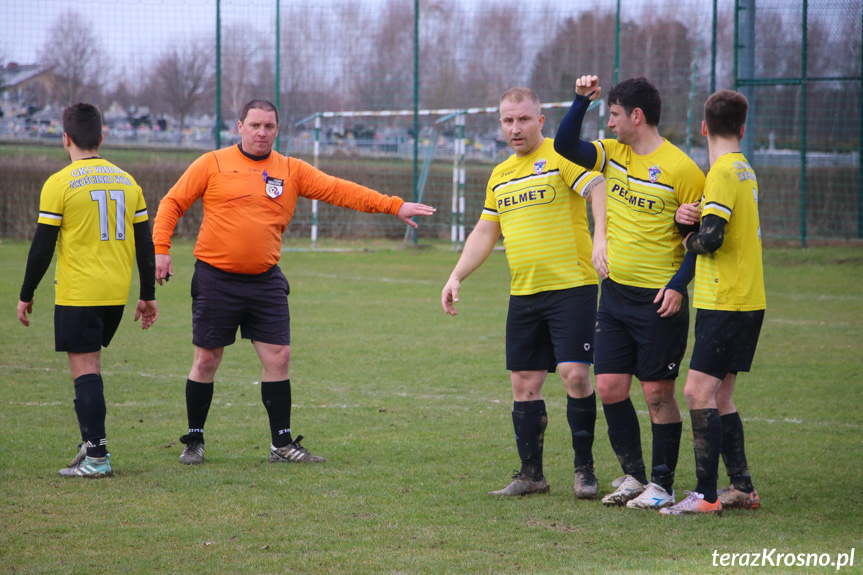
248,204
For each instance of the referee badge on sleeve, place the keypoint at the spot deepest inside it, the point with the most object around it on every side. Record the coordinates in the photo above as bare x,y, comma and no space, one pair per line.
274,187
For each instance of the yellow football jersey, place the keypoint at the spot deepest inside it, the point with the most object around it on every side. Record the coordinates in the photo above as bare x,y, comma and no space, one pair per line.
95,204
732,277
543,217
643,193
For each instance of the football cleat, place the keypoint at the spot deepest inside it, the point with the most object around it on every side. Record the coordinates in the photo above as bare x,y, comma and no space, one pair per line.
653,497
733,498
585,485
89,467
629,489
694,504
522,485
193,453
293,453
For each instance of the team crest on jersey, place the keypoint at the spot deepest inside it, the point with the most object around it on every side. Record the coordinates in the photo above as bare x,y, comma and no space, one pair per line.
539,166
275,187
654,172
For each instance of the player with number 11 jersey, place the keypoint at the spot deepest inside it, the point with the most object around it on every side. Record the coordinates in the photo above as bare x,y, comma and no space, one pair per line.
95,204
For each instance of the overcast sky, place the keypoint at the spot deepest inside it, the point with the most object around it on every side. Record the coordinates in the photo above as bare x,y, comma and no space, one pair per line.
132,31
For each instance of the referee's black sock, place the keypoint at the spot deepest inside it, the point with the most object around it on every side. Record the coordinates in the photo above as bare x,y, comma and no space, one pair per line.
276,396
734,453
91,411
624,434
666,449
529,421
581,415
198,398
706,440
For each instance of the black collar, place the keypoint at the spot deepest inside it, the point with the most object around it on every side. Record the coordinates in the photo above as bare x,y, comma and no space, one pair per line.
251,157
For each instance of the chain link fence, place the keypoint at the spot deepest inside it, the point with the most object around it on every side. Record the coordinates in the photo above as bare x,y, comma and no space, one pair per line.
400,96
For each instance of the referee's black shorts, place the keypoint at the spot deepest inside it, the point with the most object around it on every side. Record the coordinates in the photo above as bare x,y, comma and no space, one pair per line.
223,301
725,341
632,338
550,327
85,329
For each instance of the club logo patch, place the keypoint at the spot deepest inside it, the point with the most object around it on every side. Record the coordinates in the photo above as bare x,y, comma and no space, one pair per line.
654,172
539,166
274,187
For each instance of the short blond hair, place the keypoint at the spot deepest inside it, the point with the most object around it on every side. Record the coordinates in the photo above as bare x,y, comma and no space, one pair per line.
519,94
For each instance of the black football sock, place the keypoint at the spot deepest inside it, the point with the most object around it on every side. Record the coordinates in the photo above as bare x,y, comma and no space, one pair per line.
624,433
198,398
581,415
91,411
276,396
734,453
666,448
706,442
529,421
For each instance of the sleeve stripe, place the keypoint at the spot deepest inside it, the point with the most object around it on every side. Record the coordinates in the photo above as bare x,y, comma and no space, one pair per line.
718,207
604,157
140,213
589,177
490,212
51,216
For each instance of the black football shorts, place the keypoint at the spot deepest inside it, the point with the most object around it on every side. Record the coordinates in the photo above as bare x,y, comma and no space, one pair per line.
85,329
223,301
725,341
632,338
550,327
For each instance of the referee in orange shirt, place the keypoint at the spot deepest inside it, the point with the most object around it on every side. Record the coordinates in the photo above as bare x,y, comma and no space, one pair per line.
249,192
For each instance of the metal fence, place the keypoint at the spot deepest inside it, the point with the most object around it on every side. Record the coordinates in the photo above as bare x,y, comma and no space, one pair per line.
175,75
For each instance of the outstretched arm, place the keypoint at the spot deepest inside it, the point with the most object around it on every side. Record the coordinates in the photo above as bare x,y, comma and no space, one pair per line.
409,210
480,243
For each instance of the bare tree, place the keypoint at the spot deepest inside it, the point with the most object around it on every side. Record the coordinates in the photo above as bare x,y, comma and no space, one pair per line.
80,64
183,78
243,68
384,63
315,71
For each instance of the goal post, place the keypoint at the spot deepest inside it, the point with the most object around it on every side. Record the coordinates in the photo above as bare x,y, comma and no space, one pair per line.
458,116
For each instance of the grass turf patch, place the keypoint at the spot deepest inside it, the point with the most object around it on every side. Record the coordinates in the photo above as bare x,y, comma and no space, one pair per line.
412,409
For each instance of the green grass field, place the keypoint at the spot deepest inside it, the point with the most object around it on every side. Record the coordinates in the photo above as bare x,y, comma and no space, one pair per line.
412,409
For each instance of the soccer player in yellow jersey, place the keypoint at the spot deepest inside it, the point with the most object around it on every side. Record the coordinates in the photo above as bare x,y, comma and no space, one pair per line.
643,318
730,303
538,201
98,213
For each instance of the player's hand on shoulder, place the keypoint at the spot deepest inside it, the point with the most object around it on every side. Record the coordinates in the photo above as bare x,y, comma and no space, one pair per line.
588,86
